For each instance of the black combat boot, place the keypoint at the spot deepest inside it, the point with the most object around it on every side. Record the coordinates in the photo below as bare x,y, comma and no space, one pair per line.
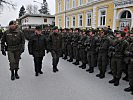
91,70
125,78
116,82
129,89
84,66
70,60
12,75
81,66
16,74
102,76
41,72
76,63
98,75
110,72
112,81
55,69
88,70
36,74
65,57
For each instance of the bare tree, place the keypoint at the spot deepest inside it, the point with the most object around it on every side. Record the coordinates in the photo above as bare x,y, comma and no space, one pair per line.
3,2
32,9
35,9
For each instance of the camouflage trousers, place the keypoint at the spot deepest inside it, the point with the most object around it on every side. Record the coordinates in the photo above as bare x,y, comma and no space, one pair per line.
56,55
14,58
102,62
92,59
117,65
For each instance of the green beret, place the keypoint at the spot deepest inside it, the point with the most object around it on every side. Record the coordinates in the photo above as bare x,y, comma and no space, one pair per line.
54,28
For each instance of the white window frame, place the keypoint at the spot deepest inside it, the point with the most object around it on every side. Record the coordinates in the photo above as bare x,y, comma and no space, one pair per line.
99,18
88,1
87,18
67,4
67,21
73,5
79,20
73,21
59,22
59,7
80,2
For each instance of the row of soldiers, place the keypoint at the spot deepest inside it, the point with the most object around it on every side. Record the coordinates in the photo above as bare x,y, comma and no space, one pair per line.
100,48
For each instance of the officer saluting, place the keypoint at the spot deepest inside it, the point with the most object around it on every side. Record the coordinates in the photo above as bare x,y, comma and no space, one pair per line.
13,42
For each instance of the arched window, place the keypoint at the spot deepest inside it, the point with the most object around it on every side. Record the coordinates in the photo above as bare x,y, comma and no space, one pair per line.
125,15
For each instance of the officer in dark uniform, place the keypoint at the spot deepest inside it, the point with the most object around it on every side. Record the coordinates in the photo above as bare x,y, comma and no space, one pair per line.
129,54
55,40
13,42
37,47
117,63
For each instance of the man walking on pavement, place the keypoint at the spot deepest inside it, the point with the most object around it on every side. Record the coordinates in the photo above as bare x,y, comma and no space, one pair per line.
37,47
13,42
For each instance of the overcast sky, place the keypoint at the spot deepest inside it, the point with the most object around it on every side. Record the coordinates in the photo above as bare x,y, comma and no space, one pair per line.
10,14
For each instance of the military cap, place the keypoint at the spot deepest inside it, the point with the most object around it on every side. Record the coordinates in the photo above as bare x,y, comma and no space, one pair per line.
38,28
12,22
55,27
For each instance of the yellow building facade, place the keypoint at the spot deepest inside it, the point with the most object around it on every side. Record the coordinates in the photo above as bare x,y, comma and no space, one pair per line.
94,13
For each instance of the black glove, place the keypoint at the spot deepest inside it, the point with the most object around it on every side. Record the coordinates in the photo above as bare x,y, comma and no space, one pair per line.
4,53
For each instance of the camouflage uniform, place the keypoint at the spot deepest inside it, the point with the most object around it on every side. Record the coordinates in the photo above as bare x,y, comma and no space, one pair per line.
13,42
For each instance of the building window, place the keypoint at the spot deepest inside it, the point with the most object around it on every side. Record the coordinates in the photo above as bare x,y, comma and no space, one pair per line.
88,19
73,21
73,3
80,20
126,14
59,7
80,2
59,23
88,1
102,17
67,22
45,20
67,4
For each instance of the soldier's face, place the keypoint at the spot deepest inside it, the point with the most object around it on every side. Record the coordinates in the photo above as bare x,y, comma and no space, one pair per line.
13,26
56,31
131,35
38,32
102,34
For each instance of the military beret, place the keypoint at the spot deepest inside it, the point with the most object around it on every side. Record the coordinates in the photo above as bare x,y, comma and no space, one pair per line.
55,27
38,28
12,22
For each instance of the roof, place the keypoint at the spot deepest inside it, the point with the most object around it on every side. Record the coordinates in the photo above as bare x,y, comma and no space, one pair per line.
37,15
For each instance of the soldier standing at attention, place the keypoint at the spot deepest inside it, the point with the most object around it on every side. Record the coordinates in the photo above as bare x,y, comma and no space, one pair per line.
55,40
117,62
103,54
37,47
13,42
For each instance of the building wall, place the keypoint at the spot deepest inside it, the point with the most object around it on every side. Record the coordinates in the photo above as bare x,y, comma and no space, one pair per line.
37,20
108,4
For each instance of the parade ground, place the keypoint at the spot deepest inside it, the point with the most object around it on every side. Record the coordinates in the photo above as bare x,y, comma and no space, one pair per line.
70,83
